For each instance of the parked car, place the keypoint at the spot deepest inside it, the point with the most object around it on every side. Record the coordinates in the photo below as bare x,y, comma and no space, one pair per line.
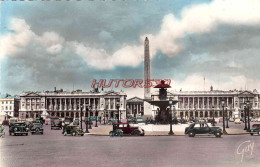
73,130
5,123
211,121
36,128
202,128
68,120
255,129
2,131
237,121
47,121
18,128
112,121
76,122
56,123
126,129
231,120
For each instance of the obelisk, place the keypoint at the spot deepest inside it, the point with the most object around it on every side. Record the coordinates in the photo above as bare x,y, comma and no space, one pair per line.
147,90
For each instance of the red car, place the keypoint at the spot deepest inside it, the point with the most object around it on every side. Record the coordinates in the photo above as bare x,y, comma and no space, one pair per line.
127,129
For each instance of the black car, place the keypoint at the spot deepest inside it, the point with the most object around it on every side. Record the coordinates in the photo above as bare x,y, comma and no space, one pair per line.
255,129
18,128
56,123
36,128
202,128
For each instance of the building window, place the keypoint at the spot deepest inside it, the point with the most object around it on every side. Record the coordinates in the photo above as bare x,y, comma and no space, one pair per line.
10,107
6,108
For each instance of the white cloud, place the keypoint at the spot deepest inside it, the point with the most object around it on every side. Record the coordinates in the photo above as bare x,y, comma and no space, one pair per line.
234,82
199,19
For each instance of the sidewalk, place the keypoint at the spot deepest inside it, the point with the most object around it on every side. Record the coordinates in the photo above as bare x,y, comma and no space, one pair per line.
103,130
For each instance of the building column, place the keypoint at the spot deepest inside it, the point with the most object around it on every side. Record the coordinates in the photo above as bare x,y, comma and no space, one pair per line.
198,102
193,101
217,102
213,102
85,105
207,102
203,102
109,106
227,101
114,103
188,102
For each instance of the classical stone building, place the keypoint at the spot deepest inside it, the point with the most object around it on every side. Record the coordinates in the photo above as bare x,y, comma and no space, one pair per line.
135,107
9,106
63,103
206,104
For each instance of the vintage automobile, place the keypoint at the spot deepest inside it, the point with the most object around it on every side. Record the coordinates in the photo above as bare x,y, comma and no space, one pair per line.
231,120
202,128
18,128
47,121
36,128
112,121
76,122
56,123
255,129
126,129
2,131
68,120
73,130
237,121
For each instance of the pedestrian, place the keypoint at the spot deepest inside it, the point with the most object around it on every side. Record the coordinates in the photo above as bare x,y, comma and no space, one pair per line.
2,128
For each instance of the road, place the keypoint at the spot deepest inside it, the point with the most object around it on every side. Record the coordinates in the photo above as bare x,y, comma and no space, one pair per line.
54,149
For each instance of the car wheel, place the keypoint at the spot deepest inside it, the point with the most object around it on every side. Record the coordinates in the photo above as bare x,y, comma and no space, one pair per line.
251,134
217,134
136,133
65,133
26,134
111,134
74,134
258,132
192,134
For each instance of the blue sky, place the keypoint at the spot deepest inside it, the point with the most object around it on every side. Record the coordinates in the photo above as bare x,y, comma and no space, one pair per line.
48,44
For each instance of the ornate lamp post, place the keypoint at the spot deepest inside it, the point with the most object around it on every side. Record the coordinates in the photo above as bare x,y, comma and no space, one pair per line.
81,108
170,102
104,117
248,113
227,118
245,113
96,114
213,124
90,121
223,114
117,106
86,120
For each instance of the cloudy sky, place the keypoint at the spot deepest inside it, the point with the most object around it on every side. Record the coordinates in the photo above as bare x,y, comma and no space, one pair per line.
67,44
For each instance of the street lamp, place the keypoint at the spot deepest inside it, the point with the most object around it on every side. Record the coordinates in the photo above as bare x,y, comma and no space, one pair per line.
81,108
104,117
227,118
96,116
223,114
245,112
248,113
170,102
213,124
117,106
86,120
90,121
